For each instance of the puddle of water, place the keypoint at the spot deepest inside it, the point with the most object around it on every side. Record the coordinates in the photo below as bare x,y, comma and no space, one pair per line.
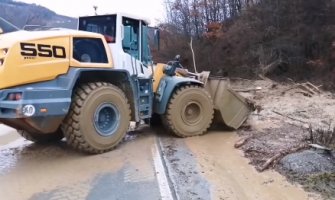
230,175
10,154
138,156
33,169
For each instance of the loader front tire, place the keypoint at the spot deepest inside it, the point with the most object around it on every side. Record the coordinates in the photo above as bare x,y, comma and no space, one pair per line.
190,111
98,119
42,138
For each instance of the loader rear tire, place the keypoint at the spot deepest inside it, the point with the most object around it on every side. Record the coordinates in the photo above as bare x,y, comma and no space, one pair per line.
98,119
190,112
42,138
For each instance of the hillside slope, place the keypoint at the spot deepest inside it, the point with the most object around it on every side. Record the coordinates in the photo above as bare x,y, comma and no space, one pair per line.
277,39
21,14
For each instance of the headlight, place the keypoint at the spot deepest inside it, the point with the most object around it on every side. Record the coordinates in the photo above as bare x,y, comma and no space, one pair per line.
16,96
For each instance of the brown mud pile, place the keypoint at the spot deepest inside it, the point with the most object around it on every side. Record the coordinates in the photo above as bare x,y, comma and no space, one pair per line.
289,119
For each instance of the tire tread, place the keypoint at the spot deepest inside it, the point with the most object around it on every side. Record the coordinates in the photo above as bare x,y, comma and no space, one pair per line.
168,117
71,126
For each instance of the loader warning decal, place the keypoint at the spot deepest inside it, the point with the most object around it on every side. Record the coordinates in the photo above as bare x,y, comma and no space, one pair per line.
31,50
28,110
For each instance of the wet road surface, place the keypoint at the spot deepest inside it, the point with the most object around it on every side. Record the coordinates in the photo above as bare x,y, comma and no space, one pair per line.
149,164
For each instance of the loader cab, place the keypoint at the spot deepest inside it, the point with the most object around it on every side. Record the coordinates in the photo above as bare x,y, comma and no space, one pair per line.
127,37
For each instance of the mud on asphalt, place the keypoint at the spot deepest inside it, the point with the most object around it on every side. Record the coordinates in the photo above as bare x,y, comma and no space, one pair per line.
206,167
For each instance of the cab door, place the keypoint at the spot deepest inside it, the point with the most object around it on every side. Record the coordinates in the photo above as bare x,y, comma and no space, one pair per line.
135,45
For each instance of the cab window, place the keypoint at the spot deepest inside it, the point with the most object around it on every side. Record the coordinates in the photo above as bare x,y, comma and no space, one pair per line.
105,25
146,55
89,50
130,42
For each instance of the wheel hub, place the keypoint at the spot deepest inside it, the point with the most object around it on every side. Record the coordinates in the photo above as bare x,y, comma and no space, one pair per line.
106,119
191,113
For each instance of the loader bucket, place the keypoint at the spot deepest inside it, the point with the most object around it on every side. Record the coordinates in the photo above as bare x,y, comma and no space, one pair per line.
230,107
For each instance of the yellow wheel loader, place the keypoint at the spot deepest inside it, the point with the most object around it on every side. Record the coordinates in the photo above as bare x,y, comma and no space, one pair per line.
87,85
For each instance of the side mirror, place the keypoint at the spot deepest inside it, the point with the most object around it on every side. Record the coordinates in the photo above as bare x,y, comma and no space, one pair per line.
1,31
157,38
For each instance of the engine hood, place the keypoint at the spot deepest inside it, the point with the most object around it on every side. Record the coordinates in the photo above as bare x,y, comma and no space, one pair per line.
9,39
35,56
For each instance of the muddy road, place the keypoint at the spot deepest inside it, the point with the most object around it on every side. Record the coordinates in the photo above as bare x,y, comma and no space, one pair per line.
149,164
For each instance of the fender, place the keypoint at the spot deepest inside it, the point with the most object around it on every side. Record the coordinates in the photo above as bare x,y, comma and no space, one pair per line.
51,96
166,88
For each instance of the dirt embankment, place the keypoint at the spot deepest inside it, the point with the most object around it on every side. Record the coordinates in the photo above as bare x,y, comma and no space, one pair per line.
292,131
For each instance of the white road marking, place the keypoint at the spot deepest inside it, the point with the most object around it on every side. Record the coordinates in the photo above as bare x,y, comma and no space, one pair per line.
162,179
15,144
4,130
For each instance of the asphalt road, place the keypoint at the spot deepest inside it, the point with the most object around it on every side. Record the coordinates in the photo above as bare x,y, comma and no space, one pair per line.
149,164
